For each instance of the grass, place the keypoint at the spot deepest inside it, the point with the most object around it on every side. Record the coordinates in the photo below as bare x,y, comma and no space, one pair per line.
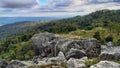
61,65
118,61
47,66
90,62
83,34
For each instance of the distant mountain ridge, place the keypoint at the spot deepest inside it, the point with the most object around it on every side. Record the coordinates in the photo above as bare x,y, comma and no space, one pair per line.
9,20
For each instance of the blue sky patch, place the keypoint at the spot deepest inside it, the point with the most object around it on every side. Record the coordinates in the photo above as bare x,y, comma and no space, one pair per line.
43,1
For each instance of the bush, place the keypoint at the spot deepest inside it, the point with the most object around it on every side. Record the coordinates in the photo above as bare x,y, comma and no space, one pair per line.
93,61
109,38
97,36
62,28
118,42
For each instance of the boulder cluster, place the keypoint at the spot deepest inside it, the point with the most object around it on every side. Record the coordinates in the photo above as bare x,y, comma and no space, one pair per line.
55,50
49,45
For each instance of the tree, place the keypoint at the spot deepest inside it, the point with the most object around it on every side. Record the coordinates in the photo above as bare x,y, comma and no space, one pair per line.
110,26
97,36
116,28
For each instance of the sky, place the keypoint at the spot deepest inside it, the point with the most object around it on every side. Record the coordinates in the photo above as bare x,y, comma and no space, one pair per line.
52,8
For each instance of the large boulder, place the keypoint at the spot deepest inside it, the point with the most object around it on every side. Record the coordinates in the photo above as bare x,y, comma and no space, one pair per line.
110,53
49,45
16,64
3,63
75,63
106,64
45,44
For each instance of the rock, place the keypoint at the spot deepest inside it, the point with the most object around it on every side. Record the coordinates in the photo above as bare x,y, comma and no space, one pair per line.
84,59
75,63
61,57
75,53
57,60
110,44
52,60
41,44
106,64
16,64
103,47
110,53
3,63
46,44
92,47
49,45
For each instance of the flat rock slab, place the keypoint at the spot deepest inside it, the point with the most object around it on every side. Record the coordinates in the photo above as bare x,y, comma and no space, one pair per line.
110,53
106,64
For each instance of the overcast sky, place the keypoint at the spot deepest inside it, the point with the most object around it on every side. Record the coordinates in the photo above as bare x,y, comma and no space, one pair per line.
34,8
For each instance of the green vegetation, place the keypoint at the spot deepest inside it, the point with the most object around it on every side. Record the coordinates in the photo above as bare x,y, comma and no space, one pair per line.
93,61
118,61
103,18
47,66
62,28
17,47
109,38
99,33
62,65
97,36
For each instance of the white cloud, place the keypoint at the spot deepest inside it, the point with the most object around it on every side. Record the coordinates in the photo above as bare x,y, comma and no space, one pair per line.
55,7
17,3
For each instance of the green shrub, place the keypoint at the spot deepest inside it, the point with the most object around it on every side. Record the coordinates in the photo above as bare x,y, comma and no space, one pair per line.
109,38
118,42
97,36
93,61
62,28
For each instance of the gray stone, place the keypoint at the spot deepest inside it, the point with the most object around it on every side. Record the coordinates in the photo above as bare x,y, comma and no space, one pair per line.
61,57
75,63
16,64
56,60
106,64
92,47
110,44
3,63
84,59
49,45
75,53
110,53
52,60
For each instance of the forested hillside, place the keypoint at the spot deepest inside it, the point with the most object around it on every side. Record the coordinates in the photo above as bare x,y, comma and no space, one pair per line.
16,38
101,18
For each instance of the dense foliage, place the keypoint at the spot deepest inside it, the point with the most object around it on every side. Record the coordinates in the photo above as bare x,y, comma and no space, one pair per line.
17,47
